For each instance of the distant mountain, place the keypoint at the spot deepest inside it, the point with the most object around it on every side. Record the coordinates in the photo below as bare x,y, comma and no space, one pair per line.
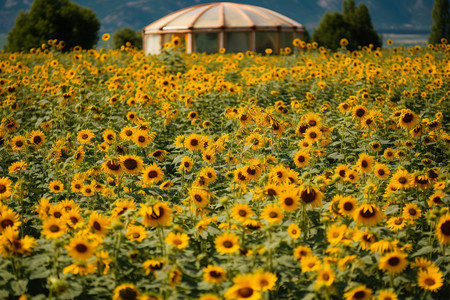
388,16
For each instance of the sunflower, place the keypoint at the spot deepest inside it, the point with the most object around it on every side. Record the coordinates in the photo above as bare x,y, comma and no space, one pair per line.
127,133
381,171
186,164
79,155
132,164
158,214
443,229
141,138
325,277
393,262
209,156
359,293
241,212
209,173
396,223
227,243
74,219
252,172
84,136
389,154
364,163
153,265
294,231
311,195
359,112
411,211
199,197
214,274
80,248
178,240
387,295
37,138
265,280
422,181
152,174
53,228
56,186
255,141
435,199
289,200
272,213
347,205
342,171
301,158
8,218
193,142
402,179
166,185
109,136
5,188
122,206
126,291
376,146
112,167
99,223
12,244
310,263
367,214
244,288
300,252
159,154
336,233
271,190
430,279
87,190
408,119
136,233
80,268
313,134
18,143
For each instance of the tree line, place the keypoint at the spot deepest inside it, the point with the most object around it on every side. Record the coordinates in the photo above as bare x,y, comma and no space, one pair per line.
79,26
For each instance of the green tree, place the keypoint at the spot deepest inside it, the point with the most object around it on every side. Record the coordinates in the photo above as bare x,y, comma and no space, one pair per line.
441,22
54,19
124,35
354,24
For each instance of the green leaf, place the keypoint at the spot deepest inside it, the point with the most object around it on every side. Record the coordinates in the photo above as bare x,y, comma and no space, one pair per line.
423,251
19,287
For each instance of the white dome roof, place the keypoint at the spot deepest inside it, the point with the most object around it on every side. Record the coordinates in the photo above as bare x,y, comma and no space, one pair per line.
223,15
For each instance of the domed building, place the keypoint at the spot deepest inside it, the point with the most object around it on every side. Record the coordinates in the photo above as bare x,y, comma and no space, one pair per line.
235,27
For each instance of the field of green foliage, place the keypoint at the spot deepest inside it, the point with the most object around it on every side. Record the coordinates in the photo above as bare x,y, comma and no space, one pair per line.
305,175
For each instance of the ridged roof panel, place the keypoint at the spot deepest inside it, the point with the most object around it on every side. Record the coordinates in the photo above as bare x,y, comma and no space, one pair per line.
222,15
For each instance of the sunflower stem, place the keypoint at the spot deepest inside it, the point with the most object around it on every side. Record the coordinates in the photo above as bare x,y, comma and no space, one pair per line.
391,280
161,240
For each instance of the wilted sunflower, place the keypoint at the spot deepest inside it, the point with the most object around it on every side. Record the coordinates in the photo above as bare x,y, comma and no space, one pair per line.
359,293
227,243
132,164
99,223
393,262
158,214
112,167
407,119
435,199
126,291
367,214
310,195
80,248
153,265
214,274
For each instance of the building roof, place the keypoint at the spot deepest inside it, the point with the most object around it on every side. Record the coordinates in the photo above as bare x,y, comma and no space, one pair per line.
222,15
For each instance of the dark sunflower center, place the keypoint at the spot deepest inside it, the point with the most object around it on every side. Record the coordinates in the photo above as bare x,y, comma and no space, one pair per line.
342,173
57,215
381,172
128,133
242,213
215,274
113,165
359,295
136,235
289,201
348,206
364,164
271,192
279,174
130,164
445,228
407,118
301,158
402,180
6,223
243,117
245,292
37,140
313,135
81,248
19,144
141,139
2,188
429,281
398,222
412,212
74,220
251,171
312,123
128,294
97,226
308,196
393,261
367,214
194,142
110,137
152,174
228,244
325,277
360,112
198,198
186,164
273,214
54,228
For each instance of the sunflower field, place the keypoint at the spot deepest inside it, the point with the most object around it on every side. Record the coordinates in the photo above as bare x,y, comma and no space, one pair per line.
305,175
